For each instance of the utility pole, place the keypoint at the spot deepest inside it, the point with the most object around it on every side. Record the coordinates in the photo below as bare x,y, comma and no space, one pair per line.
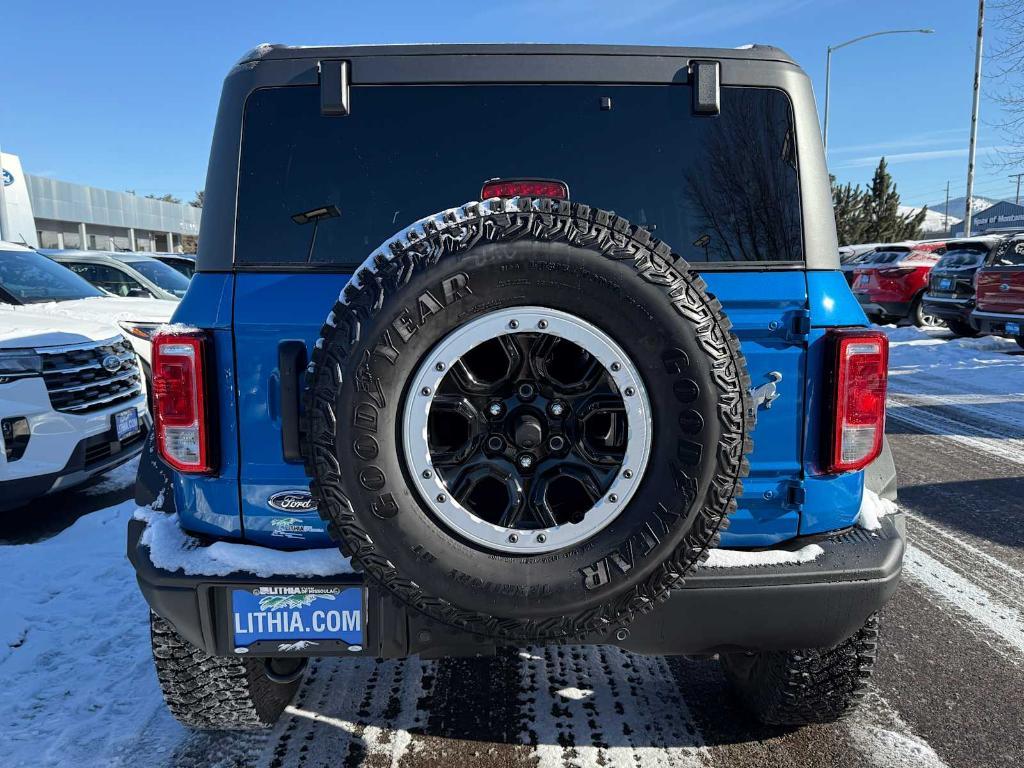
3,204
973,145
945,216
1017,177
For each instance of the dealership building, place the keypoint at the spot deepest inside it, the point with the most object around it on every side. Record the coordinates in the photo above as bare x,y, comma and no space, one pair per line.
46,213
1004,216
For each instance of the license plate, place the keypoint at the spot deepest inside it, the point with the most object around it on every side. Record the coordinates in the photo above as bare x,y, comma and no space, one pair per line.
292,619
126,423
945,284
1013,329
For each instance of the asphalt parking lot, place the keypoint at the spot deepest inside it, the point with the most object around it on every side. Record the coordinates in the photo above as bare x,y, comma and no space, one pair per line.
946,692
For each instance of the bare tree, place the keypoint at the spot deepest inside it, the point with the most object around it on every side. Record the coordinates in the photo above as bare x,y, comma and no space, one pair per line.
1006,76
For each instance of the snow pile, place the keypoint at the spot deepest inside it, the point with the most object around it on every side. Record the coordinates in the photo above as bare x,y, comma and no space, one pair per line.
172,549
872,509
735,558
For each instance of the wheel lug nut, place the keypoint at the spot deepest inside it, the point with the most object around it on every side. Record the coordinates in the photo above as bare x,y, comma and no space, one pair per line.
557,408
630,391
542,324
439,366
512,538
513,324
627,474
441,498
541,538
425,391
612,498
495,408
615,367
556,442
495,442
427,474
525,461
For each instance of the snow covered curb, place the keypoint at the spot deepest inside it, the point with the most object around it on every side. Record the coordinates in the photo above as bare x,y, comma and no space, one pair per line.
872,509
735,558
172,549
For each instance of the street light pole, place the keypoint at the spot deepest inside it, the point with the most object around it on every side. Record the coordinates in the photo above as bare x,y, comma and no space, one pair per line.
973,143
828,68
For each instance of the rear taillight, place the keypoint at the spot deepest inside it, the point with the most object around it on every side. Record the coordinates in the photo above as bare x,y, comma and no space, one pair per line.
180,402
860,372
525,188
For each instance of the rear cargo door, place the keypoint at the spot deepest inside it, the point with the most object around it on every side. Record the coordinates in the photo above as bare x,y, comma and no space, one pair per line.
318,192
1001,283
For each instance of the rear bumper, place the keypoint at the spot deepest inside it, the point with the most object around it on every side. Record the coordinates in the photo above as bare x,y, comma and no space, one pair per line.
995,322
948,308
816,604
873,308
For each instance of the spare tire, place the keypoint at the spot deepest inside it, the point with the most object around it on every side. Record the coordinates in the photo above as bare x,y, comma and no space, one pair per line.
527,418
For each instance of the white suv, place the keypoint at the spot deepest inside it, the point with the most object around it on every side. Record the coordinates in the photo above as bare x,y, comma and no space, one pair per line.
72,403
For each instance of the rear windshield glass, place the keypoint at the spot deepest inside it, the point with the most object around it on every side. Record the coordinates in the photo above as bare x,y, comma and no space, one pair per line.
967,255
890,257
720,189
1009,253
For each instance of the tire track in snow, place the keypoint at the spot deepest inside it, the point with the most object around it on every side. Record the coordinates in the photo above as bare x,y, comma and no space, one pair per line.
594,706
1002,621
1000,579
994,443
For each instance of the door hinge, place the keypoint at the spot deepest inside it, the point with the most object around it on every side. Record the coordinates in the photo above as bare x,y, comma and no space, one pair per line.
798,327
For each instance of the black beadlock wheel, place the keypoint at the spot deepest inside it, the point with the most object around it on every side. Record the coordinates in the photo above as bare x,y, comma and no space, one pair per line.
527,418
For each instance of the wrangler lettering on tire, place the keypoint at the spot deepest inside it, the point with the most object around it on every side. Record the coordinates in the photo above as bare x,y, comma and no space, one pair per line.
547,419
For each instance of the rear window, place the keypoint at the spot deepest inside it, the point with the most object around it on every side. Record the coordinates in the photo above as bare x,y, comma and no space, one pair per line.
720,189
1009,254
890,256
961,256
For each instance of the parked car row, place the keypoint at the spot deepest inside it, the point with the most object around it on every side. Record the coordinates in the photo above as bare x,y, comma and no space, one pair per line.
970,285
75,354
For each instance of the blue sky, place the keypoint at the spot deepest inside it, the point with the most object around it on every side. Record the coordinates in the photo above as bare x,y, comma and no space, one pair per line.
123,95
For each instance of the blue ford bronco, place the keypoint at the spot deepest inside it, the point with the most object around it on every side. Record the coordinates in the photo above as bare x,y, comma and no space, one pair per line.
624,397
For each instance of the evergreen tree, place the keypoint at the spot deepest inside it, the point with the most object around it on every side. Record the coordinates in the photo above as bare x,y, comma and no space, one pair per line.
873,215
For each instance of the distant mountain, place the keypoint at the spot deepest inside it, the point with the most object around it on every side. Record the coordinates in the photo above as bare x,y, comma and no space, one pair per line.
934,221
958,208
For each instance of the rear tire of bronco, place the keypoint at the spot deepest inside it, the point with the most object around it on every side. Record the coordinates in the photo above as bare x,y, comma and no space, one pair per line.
527,419
215,692
960,328
817,685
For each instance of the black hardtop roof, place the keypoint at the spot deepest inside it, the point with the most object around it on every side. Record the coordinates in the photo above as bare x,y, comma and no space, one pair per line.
271,51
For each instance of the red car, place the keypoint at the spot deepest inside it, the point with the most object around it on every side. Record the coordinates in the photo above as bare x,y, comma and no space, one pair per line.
1000,292
891,286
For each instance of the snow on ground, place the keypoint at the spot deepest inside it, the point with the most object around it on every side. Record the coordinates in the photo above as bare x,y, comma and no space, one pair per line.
78,683
987,364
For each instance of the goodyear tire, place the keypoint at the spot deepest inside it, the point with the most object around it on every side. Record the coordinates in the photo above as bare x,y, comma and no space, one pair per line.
555,331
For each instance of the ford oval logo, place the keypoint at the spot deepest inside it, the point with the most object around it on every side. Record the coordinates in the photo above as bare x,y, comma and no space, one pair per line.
111,363
292,501
1004,287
